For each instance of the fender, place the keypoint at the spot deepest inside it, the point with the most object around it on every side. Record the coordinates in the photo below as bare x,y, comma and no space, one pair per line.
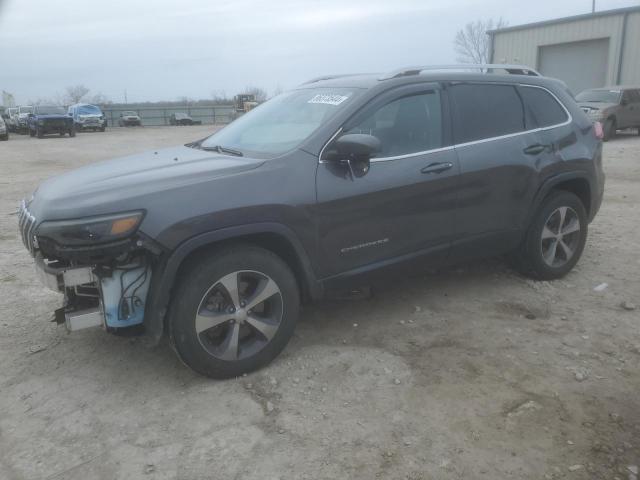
551,182
165,273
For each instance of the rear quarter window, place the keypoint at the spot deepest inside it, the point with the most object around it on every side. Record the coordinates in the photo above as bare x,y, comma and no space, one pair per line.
544,109
484,111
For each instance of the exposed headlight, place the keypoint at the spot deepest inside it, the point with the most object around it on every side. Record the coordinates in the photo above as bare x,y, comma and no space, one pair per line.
92,230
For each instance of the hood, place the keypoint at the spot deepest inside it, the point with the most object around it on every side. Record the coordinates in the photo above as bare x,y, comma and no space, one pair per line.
123,183
596,105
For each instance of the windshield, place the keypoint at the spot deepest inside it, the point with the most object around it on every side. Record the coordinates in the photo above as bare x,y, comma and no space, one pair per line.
89,110
25,109
51,111
599,96
130,114
180,116
283,122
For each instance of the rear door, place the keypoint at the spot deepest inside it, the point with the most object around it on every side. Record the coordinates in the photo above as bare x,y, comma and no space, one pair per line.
499,165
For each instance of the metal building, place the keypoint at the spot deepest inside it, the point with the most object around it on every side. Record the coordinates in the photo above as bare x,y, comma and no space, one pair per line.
591,50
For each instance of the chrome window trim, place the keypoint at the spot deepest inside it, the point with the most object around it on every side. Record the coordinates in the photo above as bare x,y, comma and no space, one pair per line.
474,142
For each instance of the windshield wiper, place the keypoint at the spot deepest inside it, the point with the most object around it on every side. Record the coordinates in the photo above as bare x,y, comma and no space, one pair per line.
221,149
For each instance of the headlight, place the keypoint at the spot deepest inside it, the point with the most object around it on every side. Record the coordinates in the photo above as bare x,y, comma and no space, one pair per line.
93,230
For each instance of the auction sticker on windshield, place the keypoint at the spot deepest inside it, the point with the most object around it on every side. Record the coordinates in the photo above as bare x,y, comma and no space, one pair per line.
328,99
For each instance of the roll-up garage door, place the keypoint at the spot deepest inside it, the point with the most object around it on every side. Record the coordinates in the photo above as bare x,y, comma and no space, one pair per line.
580,65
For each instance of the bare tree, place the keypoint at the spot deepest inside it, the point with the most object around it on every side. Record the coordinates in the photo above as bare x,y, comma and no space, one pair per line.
74,94
100,99
472,42
278,90
260,93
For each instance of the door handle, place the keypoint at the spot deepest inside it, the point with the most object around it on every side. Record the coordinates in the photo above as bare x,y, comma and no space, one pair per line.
535,149
438,167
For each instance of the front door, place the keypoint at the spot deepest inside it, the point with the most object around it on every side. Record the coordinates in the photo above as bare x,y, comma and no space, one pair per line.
629,110
405,202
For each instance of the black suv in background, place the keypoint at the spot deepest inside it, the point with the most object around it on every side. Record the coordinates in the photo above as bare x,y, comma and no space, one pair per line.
47,119
333,184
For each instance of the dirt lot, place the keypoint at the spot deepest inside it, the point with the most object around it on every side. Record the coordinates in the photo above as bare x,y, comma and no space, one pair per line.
472,372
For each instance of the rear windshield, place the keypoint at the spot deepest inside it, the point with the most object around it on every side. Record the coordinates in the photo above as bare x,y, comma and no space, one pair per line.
130,114
599,96
284,122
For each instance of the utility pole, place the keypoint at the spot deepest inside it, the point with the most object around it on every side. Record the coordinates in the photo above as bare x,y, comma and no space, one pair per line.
125,94
593,6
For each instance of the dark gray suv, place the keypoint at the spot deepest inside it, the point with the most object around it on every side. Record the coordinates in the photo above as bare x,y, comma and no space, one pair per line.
336,183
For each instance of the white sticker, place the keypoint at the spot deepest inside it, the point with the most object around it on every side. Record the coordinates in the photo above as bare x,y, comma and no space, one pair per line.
328,98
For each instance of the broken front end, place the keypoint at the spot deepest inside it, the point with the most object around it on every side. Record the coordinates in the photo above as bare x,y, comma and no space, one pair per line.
102,265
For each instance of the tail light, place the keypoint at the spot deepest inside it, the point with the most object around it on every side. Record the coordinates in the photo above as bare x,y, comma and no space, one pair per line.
598,130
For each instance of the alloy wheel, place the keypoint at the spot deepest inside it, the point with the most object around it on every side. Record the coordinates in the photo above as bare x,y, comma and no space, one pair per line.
239,315
560,237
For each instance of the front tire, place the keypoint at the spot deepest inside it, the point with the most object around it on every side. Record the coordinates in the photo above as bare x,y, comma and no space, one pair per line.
234,311
72,132
555,239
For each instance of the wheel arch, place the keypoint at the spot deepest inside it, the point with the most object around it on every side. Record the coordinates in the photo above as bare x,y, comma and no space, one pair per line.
577,183
274,237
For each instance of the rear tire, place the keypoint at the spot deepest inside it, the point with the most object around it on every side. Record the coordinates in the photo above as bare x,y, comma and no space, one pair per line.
39,133
609,129
555,239
222,335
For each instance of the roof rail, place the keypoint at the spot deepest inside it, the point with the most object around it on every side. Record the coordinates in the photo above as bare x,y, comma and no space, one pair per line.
484,67
331,77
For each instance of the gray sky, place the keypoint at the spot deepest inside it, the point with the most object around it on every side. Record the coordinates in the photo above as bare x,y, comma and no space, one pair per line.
166,49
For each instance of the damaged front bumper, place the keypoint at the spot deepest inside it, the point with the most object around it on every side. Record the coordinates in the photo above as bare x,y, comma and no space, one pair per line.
112,297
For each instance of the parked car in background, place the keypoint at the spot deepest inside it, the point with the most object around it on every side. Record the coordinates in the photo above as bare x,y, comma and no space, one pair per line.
12,119
22,119
4,130
384,174
129,119
47,119
615,107
87,117
182,118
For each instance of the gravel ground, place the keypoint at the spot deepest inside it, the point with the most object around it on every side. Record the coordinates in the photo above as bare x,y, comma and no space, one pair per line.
468,372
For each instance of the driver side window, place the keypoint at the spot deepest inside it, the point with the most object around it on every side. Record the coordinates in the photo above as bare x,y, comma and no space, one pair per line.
406,125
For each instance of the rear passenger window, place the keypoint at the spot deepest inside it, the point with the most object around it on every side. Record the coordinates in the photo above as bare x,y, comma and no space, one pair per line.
544,109
485,111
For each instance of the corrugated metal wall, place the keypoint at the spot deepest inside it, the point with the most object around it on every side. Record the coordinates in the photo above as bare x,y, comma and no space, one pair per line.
631,55
522,45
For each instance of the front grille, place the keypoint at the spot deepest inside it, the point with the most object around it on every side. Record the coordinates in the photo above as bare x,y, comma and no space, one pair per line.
26,226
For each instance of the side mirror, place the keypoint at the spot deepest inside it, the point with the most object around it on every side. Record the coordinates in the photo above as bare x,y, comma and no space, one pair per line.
355,150
624,102
357,145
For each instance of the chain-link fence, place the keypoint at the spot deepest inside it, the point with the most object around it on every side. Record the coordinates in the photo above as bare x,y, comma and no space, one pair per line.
157,116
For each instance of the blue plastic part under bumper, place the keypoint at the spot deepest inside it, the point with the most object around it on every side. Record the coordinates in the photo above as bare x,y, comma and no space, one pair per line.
124,295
